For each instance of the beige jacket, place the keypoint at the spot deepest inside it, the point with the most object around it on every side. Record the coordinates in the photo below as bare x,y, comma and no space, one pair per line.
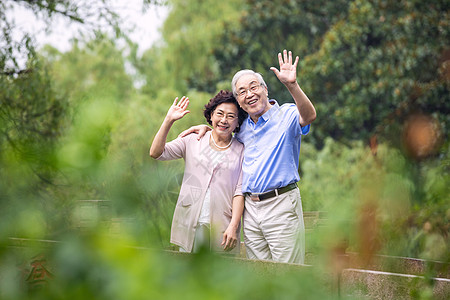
221,170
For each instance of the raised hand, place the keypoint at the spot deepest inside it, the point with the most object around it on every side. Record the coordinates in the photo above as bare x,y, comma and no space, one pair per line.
178,110
288,70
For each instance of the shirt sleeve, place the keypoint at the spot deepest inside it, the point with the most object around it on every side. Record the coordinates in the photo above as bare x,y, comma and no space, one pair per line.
305,129
238,189
174,149
294,117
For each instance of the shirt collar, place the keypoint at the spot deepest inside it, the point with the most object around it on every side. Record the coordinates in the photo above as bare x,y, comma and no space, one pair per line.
268,114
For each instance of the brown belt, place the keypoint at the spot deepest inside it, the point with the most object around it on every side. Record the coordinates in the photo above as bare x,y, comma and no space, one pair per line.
267,195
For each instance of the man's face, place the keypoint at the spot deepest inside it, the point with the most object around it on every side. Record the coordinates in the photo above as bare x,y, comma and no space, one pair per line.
252,96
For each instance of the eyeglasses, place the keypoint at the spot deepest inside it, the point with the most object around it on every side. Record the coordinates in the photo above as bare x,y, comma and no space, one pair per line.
229,117
253,89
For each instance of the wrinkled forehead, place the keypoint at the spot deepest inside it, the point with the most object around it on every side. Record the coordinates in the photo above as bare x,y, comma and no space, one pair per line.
246,80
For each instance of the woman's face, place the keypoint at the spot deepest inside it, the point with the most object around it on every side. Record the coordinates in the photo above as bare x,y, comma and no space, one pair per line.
225,119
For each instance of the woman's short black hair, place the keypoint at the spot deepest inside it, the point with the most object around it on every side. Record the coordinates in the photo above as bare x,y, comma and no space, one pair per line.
224,97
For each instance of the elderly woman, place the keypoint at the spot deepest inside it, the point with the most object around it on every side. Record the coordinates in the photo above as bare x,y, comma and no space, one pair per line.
210,203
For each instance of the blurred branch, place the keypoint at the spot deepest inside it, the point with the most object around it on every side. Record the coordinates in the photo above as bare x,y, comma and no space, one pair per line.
16,72
51,7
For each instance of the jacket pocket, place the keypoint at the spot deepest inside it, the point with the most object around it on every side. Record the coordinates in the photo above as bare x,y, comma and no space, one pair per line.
185,202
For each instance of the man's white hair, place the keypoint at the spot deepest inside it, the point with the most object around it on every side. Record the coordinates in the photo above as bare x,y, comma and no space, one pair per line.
241,73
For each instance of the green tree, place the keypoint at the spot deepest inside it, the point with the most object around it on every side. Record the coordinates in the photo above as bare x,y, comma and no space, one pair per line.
92,68
39,100
384,62
266,28
32,109
185,59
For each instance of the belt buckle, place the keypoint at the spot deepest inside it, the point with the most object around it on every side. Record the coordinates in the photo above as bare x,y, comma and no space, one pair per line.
255,197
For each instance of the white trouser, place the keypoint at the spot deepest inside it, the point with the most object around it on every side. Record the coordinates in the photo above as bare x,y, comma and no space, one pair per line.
274,228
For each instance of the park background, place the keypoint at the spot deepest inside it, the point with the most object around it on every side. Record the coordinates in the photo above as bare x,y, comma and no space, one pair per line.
77,125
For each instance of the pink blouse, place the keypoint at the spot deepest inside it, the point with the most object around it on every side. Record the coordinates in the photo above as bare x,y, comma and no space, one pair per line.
220,170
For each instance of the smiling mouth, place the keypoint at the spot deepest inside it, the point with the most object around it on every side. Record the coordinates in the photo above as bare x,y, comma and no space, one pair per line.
222,127
251,102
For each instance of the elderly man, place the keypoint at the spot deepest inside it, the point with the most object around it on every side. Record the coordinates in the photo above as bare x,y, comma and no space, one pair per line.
273,217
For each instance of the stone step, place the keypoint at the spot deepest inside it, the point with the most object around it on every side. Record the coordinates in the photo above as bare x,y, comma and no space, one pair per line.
398,264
